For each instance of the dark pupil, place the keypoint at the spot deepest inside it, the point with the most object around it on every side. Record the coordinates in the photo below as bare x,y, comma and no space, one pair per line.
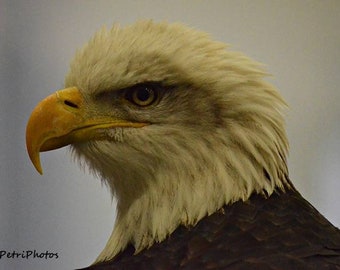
143,94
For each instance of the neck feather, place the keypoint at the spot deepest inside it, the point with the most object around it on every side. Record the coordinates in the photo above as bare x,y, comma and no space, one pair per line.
186,182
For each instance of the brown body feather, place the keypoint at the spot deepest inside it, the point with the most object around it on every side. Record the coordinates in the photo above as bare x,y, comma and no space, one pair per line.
283,231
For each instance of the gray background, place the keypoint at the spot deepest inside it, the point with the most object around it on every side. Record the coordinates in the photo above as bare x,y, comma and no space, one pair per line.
69,212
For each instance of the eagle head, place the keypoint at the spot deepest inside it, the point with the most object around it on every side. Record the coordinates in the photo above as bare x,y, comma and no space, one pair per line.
176,124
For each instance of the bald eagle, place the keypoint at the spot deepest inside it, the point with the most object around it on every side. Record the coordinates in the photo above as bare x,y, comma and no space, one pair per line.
191,142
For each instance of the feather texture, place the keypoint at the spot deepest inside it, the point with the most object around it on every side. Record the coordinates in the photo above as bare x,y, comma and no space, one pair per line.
280,232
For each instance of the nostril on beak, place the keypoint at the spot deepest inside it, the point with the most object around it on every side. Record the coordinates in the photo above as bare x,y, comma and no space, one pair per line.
70,104
70,98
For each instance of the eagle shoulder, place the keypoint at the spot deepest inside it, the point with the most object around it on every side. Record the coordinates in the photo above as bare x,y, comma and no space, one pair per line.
282,231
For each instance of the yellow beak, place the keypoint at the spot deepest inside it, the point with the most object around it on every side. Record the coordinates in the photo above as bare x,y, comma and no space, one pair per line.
63,118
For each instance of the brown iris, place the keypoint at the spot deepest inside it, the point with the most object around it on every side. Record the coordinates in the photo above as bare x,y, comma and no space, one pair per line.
142,95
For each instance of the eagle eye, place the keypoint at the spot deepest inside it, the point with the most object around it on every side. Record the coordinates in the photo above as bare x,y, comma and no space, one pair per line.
142,95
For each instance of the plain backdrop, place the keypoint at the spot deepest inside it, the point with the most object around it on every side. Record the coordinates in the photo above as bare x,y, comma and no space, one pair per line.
67,210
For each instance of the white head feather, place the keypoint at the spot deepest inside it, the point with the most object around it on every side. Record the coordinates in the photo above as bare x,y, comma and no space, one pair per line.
216,136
